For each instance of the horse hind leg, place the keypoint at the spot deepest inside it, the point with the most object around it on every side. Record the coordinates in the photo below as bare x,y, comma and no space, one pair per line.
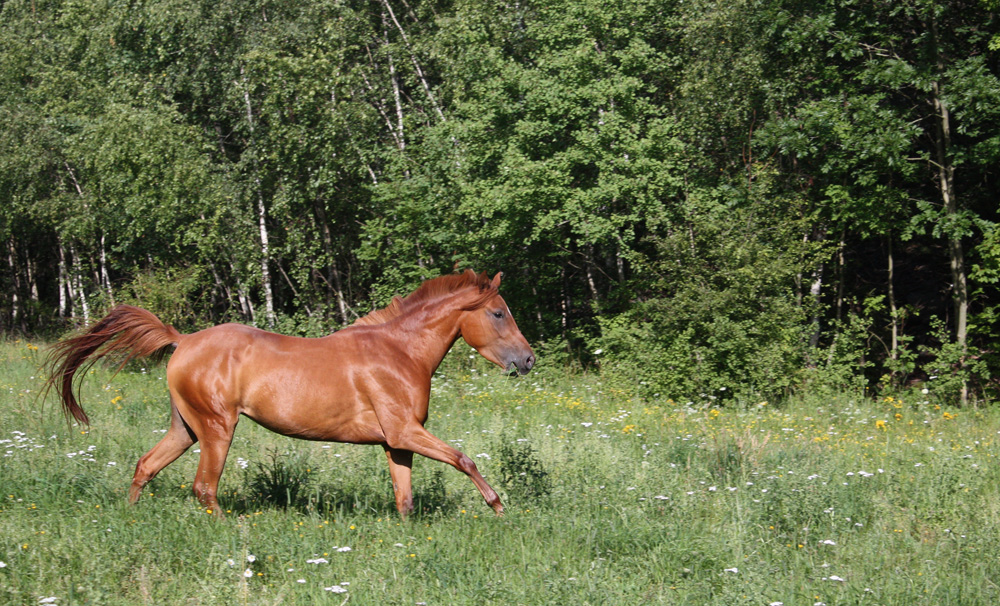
177,440
216,438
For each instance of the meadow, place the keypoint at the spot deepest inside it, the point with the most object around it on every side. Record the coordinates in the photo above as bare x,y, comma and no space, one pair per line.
834,499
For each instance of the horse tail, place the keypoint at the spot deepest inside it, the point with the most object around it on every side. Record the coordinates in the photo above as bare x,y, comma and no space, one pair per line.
126,333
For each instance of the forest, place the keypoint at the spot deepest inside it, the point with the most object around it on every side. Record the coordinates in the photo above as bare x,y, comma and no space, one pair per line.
702,200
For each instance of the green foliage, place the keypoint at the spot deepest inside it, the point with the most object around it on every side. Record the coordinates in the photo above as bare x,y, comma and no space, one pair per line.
303,324
281,480
659,180
842,365
521,471
173,294
724,322
954,366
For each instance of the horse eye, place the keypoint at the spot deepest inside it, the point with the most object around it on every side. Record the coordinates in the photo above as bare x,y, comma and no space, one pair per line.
498,314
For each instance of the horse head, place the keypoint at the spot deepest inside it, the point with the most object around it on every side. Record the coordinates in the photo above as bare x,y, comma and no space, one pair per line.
488,327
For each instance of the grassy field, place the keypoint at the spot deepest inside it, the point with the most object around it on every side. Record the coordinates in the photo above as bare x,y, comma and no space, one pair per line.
610,500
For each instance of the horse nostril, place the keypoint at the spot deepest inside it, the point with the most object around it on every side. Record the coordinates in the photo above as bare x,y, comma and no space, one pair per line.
529,362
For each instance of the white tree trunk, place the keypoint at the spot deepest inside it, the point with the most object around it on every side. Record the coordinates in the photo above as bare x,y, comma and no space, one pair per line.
265,256
15,302
64,286
265,249
946,183
893,314
77,280
105,278
815,291
416,64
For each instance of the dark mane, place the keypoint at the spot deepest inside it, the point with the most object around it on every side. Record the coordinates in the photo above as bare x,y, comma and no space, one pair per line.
432,289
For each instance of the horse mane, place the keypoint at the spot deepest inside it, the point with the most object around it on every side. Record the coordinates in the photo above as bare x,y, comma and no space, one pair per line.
432,289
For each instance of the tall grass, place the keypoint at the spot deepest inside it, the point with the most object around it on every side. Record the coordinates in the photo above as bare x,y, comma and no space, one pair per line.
610,500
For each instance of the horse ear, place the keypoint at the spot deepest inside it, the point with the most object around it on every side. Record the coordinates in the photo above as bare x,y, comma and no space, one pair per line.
496,280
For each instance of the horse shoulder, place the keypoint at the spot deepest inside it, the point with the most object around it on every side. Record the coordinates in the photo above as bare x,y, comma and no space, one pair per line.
394,383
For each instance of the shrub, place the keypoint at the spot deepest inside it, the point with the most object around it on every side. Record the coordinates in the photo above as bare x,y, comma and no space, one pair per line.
522,473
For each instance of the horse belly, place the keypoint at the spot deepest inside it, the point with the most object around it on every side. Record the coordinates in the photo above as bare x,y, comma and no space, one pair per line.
301,404
326,424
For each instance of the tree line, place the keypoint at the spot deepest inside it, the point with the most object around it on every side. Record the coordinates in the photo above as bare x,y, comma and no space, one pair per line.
703,198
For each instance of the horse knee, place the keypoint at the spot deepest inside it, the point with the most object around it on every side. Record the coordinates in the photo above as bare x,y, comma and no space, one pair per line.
142,474
466,464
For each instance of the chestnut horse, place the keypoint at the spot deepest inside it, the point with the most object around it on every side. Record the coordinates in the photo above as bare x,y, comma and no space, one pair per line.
368,383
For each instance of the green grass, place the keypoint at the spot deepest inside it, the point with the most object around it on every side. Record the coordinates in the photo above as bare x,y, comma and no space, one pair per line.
610,500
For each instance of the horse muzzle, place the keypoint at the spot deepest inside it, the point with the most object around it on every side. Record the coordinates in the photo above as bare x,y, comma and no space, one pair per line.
522,364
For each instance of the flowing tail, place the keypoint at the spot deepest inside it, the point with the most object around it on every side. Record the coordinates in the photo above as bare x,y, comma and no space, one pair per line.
124,334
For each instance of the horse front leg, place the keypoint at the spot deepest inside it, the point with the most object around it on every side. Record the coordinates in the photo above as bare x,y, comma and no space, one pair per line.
417,439
400,468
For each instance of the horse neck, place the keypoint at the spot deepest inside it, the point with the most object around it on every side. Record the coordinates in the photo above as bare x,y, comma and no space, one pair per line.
431,330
